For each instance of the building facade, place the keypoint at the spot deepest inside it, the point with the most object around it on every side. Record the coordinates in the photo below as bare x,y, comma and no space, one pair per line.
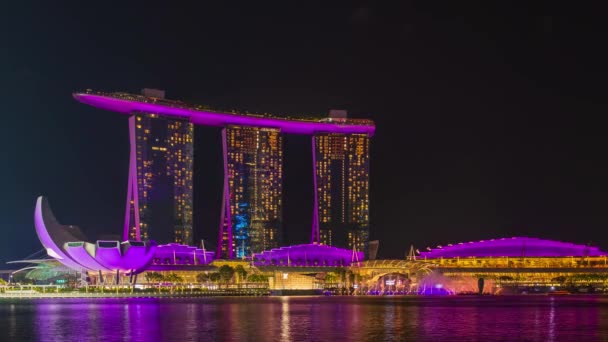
342,189
251,216
252,207
161,178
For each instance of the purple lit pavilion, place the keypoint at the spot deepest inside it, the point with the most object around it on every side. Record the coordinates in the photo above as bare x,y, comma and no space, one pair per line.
308,255
516,247
252,197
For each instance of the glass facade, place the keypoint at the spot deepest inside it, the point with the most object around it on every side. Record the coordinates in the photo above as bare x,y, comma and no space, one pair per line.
164,158
254,165
342,189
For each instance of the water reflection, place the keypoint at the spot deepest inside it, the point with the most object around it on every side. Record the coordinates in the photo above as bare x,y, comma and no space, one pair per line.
551,327
533,318
285,335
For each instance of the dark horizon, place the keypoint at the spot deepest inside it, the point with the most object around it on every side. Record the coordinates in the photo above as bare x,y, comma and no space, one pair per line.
489,117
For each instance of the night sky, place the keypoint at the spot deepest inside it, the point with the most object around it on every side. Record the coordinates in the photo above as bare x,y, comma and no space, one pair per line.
490,119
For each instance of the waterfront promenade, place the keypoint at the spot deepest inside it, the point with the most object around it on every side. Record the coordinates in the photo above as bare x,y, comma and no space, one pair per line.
52,291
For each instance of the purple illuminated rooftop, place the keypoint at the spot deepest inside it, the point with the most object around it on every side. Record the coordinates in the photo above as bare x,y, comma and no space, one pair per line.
199,115
512,247
307,255
176,254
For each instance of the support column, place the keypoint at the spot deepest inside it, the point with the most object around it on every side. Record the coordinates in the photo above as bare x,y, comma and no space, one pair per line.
132,188
225,218
315,236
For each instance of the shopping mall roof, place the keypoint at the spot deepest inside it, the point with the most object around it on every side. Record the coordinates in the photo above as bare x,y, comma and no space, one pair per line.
512,247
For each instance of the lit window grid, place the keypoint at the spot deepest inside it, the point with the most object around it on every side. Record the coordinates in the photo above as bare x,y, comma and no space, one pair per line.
255,162
352,150
175,152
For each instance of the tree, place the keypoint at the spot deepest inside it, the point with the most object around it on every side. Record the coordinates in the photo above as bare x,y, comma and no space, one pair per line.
202,277
351,277
173,278
258,278
215,277
240,271
330,278
342,274
153,277
226,272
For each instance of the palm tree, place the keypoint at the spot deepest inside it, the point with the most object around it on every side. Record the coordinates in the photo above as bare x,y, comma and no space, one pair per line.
330,278
241,273
173,278
153,277
202,277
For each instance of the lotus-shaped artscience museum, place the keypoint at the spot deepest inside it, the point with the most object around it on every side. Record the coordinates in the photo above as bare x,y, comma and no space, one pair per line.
67,244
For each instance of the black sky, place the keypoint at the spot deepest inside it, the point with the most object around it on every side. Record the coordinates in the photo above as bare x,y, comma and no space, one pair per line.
490,118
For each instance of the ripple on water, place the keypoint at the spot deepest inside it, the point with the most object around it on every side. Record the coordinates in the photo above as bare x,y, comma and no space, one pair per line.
457,318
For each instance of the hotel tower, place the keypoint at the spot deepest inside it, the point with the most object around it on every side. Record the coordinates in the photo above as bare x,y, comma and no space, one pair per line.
341,164
160,177
159,196
253,185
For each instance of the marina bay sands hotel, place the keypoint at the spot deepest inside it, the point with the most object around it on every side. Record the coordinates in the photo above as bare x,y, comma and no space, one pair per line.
161,171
